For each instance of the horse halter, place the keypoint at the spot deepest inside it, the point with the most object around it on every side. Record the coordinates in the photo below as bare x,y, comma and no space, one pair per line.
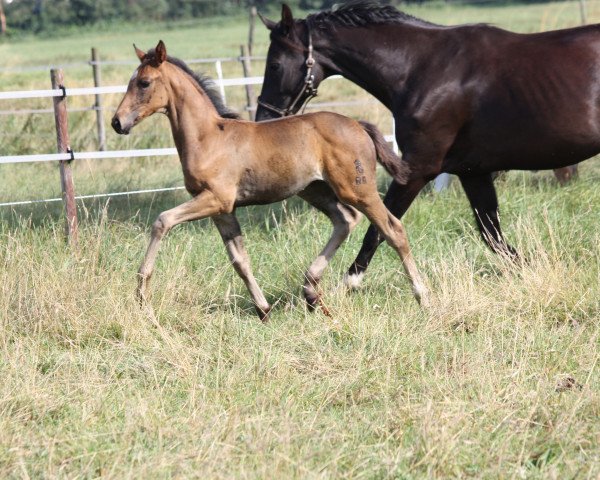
308,87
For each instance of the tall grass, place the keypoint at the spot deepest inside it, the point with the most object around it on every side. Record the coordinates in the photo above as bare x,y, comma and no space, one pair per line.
498,379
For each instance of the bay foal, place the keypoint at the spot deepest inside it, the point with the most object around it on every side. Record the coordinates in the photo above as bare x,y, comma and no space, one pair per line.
326,159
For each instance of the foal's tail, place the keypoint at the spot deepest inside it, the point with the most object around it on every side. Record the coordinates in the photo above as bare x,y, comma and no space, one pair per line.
393,164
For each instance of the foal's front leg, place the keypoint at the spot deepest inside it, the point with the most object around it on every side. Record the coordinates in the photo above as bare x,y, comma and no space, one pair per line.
344,218
205,204
231,233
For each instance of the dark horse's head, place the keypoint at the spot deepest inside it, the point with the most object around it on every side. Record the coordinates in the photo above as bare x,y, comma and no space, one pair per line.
292,72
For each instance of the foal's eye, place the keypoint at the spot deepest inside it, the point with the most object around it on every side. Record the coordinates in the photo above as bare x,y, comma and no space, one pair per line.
143,83
275,67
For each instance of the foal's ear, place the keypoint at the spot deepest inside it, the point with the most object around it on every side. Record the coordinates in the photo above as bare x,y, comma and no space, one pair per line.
160,52
270,24
140,54
287,20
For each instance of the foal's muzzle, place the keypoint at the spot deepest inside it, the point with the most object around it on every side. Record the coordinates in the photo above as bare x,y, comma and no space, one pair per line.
116,125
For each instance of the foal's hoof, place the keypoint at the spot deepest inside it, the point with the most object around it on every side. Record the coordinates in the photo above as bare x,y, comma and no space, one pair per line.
422,296
314,302
141,290
141,297
263,313
424,302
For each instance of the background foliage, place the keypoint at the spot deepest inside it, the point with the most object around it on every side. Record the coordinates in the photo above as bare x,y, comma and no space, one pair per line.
40,15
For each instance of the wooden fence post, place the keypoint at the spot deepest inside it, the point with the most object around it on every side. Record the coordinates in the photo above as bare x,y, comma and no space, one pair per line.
253,13
250,102
582,12
2,19
62,140
98,103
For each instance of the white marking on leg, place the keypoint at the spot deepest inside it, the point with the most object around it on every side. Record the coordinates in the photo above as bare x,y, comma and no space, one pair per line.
353,280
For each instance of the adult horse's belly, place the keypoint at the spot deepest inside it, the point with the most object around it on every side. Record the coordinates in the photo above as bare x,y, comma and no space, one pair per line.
544,157
532,141
540,110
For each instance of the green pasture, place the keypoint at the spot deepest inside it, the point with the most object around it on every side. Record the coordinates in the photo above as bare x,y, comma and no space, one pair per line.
498,379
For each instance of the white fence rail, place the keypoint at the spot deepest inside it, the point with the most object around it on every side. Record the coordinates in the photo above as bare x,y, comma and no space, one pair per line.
71,92
92,196
54,157
221,83
91,63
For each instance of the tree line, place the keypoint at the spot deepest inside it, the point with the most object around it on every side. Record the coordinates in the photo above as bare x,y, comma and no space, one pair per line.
42,15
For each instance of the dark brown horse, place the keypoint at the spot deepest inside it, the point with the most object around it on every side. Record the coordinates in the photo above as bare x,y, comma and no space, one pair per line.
468,100
326,159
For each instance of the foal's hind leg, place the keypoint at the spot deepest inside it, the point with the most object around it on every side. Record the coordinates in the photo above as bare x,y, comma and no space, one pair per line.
482,196
230,231
393,231
397,200
344,219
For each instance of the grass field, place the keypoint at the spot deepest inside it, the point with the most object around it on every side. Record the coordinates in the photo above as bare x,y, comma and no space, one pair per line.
499,379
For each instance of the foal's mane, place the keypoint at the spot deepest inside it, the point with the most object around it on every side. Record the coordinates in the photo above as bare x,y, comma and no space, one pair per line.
360,13
204,82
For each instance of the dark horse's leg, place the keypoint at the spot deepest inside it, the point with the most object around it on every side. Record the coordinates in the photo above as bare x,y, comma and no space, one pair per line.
566,174
397,200
482,196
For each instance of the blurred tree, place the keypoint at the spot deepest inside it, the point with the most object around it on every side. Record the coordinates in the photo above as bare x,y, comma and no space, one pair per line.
38,15
2,19
83,11
316,4
147,9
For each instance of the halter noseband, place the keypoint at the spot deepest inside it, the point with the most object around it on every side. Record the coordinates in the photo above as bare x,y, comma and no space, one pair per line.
308,85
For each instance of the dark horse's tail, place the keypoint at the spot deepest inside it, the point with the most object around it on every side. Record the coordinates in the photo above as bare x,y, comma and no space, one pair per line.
393,164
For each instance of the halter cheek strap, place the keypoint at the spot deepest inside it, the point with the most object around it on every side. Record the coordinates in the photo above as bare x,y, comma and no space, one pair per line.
307,89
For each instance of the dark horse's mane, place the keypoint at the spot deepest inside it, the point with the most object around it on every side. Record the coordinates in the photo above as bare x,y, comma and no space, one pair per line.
206,83
360,13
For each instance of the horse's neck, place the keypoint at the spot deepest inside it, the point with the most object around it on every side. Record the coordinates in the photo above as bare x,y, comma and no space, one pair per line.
375,60
192,115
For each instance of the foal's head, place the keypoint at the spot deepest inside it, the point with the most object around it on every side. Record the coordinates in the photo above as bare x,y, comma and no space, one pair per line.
149,89
146,92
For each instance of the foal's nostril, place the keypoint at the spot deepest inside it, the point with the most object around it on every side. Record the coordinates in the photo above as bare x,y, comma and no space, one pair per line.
116,124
